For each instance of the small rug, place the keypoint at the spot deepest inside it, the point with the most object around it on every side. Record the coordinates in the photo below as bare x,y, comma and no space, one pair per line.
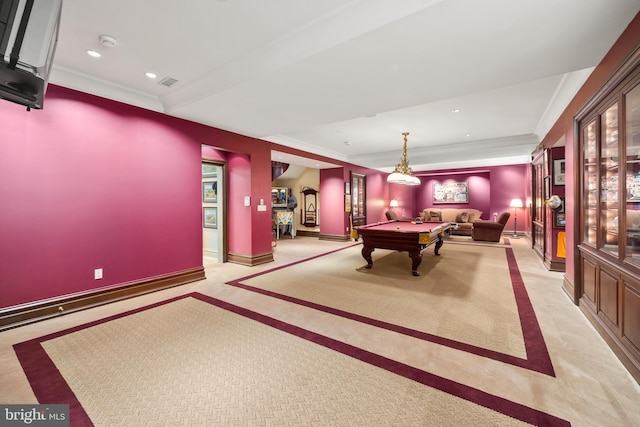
471,297
195,360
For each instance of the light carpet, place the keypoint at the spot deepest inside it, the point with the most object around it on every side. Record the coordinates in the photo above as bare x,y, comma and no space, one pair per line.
471,297
195,360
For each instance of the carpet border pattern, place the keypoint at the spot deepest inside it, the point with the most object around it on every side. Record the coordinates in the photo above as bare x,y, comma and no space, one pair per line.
538,358
50,387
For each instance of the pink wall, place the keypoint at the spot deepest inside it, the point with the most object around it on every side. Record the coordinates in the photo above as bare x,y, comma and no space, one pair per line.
333,219
491,190
405,195
87,183
90,183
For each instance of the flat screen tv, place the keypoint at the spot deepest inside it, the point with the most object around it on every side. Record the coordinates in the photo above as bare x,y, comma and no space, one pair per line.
28,38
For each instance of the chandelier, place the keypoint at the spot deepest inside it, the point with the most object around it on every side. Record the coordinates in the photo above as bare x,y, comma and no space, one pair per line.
403,173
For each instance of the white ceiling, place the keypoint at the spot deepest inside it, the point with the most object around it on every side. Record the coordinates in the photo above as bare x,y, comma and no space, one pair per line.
344,79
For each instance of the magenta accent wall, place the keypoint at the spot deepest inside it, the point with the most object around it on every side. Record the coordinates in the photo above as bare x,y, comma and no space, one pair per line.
377,196
405,195
87,183
491,190
333,218
91,183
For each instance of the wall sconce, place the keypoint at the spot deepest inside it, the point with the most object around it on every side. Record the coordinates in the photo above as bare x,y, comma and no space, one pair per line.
393,204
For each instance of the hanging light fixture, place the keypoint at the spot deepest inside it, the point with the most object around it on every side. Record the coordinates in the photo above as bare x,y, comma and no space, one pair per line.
403,173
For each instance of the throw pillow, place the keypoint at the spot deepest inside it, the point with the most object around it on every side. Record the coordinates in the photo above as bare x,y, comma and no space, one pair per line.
474,215
434,216
462,217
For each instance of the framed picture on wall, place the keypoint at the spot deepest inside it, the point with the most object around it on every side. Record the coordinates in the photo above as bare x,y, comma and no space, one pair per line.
558,172
347,188
560,219
210,191
208,170
451,192
347,202
210,217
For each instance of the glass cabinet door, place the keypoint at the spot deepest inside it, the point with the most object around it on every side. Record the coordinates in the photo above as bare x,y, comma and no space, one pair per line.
609,177
632,205
591,183
358,199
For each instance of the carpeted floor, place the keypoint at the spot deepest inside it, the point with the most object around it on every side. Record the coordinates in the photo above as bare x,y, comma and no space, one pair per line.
467,298
260,346
199,361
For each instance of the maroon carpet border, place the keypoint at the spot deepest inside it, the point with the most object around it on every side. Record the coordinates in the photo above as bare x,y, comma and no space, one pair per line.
537,360
45,379
50,387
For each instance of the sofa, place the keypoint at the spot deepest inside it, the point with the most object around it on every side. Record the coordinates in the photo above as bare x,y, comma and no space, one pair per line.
464,217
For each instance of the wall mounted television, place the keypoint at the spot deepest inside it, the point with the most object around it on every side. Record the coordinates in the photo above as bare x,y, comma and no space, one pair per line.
28,38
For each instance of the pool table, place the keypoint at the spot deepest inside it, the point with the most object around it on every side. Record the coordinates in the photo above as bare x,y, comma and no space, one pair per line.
403,236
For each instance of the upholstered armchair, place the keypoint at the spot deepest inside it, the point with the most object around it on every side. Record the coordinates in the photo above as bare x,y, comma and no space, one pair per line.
490,231
391,216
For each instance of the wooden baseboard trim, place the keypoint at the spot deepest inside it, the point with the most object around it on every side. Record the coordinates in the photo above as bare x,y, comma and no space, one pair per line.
629,362
24,314
334,237
555,264
569,288
307,233
251,260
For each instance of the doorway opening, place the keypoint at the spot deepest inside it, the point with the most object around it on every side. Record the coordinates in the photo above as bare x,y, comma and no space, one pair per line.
214,234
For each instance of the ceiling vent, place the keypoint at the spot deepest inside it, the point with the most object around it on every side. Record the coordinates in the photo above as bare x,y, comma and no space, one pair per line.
168,81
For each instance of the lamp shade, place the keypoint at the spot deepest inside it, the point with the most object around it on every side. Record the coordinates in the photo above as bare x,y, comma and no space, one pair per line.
393,203
412,180
516,203
396,178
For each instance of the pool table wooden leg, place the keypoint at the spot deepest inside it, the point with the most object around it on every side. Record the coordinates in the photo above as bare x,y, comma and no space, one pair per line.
416,259
439,244
366,254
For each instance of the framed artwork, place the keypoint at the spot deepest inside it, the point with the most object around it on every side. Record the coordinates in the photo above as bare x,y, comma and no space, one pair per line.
451,192
347,188
279,197
347,202
560,219
210,217
558,172
210,191
208,170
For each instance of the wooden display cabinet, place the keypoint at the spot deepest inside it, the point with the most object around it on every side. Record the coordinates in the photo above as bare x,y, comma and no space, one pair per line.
358,199
608,229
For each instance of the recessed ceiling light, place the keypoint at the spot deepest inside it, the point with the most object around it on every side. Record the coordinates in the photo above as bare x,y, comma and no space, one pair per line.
93,53
455,110
151,75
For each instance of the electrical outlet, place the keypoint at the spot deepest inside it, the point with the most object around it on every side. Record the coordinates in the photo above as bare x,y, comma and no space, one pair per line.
97,274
